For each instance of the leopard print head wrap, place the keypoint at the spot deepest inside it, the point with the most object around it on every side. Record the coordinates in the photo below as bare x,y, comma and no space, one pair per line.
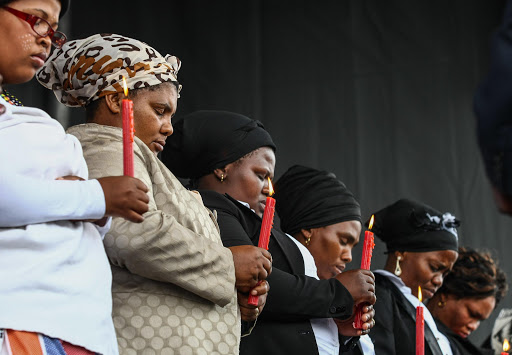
85,70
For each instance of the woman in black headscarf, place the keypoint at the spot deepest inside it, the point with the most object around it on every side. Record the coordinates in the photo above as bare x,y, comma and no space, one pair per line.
422,247
230,159
324,219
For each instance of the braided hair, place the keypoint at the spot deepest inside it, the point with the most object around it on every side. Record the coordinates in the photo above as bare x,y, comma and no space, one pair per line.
475,275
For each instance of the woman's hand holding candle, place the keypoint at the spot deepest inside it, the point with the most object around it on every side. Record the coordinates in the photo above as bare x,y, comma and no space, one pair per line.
366,261
251,264
346,327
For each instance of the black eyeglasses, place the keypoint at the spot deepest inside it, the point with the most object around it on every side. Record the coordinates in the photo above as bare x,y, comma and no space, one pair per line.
40,26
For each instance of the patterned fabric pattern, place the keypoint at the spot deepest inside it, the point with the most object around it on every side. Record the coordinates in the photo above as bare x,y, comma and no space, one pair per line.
22,343
87,69
173,281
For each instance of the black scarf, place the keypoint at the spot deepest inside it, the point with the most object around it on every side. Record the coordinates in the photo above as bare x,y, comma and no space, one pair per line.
309,198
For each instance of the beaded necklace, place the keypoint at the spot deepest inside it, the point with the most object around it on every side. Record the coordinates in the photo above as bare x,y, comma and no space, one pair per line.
10,98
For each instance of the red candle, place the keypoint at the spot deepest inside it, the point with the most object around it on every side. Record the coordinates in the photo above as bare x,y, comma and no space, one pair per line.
420,327
128,133
266,229
506,347
366,261
266,224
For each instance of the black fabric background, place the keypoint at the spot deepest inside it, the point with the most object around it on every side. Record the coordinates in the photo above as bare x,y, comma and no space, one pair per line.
379,92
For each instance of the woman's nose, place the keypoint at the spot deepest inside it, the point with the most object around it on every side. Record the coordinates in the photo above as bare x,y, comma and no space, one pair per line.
346,256
473,325
438,280
46,42
167,128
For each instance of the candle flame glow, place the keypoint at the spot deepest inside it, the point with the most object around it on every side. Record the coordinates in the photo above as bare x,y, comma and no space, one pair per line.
125,87
506,345
270,188
419,294
371,222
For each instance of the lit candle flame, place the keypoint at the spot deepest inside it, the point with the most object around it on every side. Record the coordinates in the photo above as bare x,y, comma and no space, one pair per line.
270,188
371,223
506,345
125,87
419,294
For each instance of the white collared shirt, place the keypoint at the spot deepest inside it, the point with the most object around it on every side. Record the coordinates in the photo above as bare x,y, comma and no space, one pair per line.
325,330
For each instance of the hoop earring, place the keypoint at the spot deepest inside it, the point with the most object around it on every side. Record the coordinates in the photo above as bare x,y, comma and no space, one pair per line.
398,270
308,240
222,178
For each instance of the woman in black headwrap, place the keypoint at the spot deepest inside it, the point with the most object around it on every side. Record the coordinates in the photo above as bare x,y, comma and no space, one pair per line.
422,248
469,294
230,158
324,219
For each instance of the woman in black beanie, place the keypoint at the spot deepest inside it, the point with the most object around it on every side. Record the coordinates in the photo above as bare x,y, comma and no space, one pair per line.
230,158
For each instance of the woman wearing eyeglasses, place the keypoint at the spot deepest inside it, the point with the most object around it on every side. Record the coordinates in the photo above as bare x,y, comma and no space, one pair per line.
55,283
27,40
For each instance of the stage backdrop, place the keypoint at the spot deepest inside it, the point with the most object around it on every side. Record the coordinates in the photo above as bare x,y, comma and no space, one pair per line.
378,92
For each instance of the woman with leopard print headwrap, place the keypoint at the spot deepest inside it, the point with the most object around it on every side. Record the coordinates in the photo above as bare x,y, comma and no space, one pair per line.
173,280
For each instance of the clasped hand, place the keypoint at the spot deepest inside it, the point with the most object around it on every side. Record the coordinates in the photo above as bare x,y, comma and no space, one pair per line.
252,267
361,285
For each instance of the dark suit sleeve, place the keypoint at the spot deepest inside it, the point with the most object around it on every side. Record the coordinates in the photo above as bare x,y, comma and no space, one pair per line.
493,108
294,297
231,230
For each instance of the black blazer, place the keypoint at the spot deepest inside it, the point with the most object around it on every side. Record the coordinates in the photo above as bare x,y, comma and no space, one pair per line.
394,332
283,327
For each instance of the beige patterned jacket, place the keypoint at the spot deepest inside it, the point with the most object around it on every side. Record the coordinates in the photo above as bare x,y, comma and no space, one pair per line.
173,281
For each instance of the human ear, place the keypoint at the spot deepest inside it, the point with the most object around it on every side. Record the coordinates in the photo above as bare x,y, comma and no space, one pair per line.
400,255
113,102
306,235
221,174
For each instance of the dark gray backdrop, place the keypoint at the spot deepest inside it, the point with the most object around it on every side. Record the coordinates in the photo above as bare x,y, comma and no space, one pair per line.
379,92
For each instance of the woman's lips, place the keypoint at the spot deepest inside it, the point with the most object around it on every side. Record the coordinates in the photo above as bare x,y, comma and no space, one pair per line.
338,269
39,59
463,335
159,145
